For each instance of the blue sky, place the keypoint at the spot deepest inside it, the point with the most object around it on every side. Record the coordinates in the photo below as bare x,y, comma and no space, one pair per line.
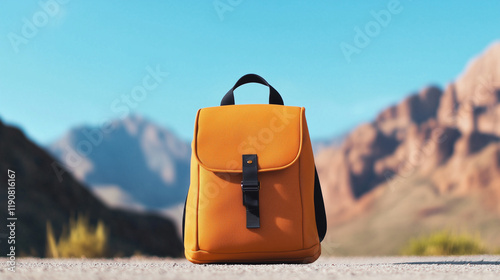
74,62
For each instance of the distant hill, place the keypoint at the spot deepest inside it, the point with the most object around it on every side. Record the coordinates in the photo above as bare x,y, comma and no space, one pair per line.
430,162
42,197
132,164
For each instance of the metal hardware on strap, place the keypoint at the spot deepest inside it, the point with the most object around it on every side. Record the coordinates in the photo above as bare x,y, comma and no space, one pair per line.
250,187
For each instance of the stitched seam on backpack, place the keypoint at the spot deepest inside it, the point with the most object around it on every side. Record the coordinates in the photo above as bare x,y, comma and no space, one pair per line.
262,252
198,209
198,187
301,203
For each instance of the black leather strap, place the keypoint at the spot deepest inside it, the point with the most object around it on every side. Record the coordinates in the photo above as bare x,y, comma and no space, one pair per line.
184,219
250,187
274,96
319,207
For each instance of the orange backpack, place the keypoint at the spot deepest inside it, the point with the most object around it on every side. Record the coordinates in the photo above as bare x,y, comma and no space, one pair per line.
255,195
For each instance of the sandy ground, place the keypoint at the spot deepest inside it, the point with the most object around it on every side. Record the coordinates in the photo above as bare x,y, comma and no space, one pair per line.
466,267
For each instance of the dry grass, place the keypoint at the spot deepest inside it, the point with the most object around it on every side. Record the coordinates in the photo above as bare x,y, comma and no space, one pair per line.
82,240
445,243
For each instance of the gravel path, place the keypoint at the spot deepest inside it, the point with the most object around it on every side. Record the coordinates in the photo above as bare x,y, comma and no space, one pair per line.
467,267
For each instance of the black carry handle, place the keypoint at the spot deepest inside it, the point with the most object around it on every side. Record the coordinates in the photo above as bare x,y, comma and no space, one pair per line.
274,96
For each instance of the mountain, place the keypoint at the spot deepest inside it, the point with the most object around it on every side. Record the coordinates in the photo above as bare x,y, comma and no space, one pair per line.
430,162
44,195
130,163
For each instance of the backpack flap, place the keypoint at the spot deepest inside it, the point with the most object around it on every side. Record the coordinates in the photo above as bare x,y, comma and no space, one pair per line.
223,134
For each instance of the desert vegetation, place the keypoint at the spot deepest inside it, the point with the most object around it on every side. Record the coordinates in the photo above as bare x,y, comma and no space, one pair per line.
79,239
444,243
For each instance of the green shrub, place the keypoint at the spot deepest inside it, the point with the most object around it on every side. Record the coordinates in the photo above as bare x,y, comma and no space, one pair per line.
444,243
82,240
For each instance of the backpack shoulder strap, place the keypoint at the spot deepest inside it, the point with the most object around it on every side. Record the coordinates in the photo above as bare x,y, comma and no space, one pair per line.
319,207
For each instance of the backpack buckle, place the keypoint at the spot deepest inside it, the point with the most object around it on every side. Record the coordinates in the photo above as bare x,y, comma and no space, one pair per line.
250,186
250,193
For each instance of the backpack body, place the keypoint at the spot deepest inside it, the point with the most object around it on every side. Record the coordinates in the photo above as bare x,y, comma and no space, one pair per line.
253,196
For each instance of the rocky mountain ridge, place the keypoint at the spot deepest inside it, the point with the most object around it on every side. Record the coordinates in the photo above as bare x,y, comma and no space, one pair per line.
448,138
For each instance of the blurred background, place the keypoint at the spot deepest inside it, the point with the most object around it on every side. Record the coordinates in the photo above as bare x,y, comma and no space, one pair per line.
98,100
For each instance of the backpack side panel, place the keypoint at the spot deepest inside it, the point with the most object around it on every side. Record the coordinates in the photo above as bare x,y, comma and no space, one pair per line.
306,159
